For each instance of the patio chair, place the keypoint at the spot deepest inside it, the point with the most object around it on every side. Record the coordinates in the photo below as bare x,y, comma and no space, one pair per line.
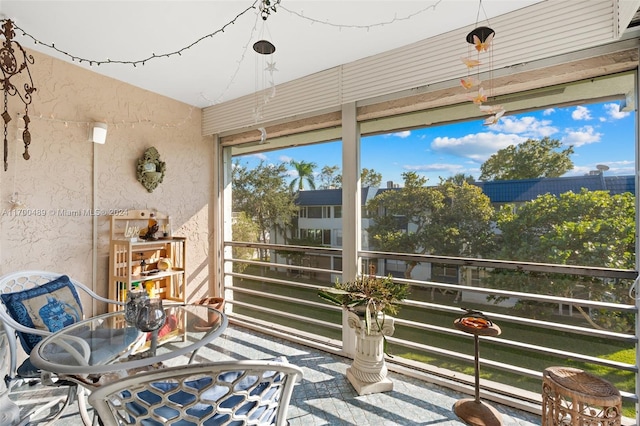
220,393
9,411
36,304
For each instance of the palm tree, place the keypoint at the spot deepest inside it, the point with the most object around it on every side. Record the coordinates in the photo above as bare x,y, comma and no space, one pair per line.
305,173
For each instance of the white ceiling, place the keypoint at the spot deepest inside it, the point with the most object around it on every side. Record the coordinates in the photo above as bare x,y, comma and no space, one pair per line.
309,36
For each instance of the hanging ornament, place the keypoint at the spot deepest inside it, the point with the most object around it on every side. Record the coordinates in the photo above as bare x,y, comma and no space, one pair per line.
481,38
12,70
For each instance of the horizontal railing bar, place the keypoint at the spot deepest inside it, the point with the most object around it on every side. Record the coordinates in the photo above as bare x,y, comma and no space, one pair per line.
527,321
276,297
519,295
274,281
484,362
593,271
280,247
503,319
287,315
495,316
282,266
512,343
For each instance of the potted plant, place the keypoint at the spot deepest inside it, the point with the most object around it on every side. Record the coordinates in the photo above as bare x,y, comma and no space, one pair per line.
367,300
369,296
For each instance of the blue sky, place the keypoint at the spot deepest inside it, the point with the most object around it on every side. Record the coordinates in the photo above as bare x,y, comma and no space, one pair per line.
599,133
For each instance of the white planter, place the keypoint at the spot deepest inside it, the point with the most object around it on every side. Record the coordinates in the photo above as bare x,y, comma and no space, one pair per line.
368,373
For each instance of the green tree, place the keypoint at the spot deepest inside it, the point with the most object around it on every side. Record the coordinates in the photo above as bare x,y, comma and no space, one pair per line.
462,226
330,178
590,228
458,178
448,219
244,229
262,193
369,177
304,171
530,159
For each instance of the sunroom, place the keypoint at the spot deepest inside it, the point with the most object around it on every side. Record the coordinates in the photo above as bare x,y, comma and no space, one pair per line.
546,57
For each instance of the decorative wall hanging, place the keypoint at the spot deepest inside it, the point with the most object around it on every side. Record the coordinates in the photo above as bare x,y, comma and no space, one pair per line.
150,170
265,84
481,39
12,70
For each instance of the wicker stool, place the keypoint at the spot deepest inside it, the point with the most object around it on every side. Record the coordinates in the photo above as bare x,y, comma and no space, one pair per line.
573,397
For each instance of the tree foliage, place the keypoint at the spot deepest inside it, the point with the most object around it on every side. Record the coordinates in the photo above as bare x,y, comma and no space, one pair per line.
530,159
244,229
448,219
590,228
262,193
304,171
331,178
369,177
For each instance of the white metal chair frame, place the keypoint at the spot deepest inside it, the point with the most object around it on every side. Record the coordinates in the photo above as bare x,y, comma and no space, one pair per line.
23,280
260,392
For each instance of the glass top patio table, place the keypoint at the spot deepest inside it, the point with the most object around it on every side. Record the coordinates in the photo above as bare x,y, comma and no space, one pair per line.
107,344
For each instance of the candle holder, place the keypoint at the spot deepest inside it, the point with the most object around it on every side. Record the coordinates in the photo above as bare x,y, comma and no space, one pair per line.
473,411
151,317
135,299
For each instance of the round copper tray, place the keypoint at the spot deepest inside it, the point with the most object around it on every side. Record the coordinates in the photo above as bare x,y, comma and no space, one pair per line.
477,325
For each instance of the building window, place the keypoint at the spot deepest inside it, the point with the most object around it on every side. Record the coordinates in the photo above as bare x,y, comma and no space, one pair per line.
337,212
444,273
318,236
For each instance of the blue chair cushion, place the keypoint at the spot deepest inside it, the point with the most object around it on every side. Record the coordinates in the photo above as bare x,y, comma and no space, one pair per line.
48,307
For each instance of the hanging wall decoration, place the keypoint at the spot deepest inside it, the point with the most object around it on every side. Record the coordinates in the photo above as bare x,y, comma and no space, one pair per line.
480,40
150,170
265,84
16,80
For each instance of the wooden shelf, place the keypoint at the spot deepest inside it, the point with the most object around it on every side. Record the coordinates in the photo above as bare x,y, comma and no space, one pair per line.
127,258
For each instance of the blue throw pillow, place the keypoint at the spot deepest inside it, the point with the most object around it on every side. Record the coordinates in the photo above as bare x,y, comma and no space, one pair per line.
48,307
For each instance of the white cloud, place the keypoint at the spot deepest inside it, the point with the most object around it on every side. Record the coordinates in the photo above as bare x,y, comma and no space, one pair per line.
285,158
527,126
548,111
402,135
581,113
613,111
478,146
453,168
582,136
260,156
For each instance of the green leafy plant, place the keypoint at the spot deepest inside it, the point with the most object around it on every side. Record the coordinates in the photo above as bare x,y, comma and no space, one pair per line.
369,296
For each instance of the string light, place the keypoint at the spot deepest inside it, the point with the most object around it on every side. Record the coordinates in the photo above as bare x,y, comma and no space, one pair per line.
153,56
119,124
366,27
265,8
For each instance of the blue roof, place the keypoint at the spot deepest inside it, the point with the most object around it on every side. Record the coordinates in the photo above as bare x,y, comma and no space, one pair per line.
512,191
331,197
498,191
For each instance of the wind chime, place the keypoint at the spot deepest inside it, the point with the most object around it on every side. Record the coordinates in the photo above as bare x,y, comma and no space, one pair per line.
264,48
12,68
480,39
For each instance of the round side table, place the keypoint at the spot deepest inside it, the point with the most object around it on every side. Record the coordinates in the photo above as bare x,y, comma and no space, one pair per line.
573,397
471,410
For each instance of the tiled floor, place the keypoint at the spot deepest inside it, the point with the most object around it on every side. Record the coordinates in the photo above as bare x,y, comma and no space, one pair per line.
324,397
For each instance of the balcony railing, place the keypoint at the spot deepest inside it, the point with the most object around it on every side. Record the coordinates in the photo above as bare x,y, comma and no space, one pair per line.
283,298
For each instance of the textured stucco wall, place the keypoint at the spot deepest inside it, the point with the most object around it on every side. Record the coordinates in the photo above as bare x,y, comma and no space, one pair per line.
53,230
